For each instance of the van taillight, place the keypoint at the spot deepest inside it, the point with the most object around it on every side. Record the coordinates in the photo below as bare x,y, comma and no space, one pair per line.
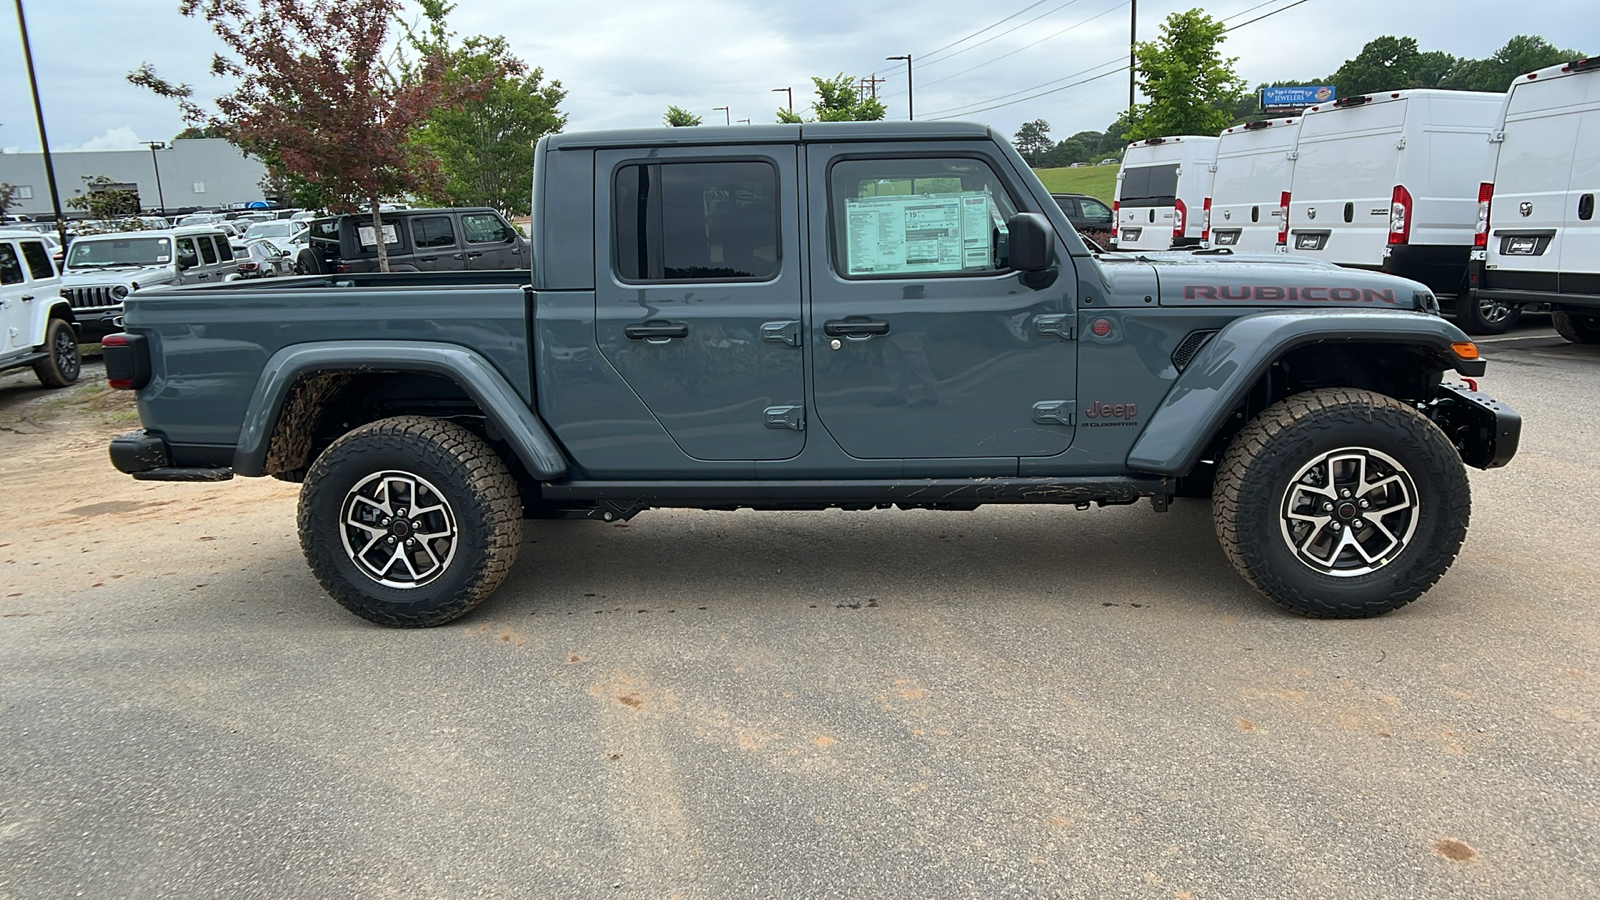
1480,235
1180,216
1283,219
1205,221
1400,216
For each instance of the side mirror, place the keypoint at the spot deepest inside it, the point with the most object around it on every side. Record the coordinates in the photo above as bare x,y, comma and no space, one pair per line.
1031,243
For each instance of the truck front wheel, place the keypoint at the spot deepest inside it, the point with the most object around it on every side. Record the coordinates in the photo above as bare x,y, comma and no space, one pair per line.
1341,503
410,522
1577,328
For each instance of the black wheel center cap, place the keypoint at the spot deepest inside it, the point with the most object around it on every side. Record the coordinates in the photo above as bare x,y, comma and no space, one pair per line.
1347,510
401,528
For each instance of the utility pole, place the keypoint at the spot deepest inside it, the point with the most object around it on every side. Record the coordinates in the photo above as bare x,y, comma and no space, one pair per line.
790,92
727,117
744,121
872,84
1133,46
44,141
911,93
154,146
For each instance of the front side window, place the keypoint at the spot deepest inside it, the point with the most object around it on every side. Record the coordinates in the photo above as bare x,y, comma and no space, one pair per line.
38,259
1095,212
433,231
187,255
696,221
484,228
899,217
10,265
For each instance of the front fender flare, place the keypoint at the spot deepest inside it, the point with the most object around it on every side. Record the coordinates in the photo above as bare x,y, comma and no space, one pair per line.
1223,372
528,437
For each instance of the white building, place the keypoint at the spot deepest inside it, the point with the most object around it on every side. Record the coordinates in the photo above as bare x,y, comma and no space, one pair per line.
207,173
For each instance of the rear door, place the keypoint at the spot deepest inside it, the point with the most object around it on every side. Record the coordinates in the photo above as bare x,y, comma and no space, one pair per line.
1580,250
1146,202
1531,207
698,305
14,311
1344,178
926,344
436,245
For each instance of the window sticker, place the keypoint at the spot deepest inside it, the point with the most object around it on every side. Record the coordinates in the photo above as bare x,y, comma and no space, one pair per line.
163,258
364,233
917,234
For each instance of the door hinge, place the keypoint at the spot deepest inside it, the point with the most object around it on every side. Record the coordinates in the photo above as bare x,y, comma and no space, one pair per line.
1497,137
1053,412
793,417
781,333
1057,325
1292,154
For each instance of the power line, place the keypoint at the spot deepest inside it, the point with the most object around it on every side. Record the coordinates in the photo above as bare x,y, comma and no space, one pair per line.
1002,34
1264,16
987,27
1034,44
1250,10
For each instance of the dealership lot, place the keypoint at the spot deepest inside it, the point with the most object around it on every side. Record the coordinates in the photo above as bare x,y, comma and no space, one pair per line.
1013,702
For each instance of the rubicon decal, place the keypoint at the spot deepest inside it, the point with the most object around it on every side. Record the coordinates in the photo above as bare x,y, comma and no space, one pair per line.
1098,414
1271,293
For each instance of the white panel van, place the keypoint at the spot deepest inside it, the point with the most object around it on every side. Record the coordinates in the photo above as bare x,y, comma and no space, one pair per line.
1383,181
1163,189
1537,238
1254,164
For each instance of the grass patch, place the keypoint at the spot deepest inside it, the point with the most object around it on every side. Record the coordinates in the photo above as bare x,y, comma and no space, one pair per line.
1099,182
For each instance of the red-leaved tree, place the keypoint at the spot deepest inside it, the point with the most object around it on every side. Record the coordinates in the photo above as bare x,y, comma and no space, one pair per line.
314,98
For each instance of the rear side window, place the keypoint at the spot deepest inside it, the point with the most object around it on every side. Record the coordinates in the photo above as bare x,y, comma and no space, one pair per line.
899,217
207,249
38,259
1150,186
695,221
10,265
224,249
433,231
484,228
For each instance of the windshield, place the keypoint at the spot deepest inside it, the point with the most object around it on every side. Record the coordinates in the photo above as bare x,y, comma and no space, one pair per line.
270,230
102,252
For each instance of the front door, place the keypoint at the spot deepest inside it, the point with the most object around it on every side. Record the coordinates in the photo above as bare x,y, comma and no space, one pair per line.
925,343
699,307
490,242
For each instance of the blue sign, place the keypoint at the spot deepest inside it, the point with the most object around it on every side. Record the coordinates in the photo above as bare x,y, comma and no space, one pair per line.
1299,97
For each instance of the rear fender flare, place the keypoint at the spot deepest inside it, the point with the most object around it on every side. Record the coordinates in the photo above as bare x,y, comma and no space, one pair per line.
1223,372
509,413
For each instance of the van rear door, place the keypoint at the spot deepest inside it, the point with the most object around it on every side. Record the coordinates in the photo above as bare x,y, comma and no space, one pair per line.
1344,179
1146,197
1580,246
1529,210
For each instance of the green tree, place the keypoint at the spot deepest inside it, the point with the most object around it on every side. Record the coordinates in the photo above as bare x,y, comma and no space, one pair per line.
1390,63
485,144
1522,54
209,131
101,198
839,99
8,195
1191,88
678,117
1064,153
1032,140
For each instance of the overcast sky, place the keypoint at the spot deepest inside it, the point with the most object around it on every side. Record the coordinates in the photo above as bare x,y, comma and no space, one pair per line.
624,61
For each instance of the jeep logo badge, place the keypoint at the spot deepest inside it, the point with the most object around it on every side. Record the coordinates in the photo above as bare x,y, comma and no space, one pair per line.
1526,208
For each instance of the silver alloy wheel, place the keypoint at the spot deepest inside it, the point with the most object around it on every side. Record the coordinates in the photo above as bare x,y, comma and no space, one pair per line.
1494,312
1349,512
398,529
66,353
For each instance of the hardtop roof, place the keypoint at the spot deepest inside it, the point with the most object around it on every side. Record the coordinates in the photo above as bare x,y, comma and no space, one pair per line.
809,132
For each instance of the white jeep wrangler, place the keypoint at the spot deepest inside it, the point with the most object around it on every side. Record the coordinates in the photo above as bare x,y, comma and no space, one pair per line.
103,269
37,327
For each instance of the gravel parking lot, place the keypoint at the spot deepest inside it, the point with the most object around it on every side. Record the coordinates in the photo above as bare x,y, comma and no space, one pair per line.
1015,702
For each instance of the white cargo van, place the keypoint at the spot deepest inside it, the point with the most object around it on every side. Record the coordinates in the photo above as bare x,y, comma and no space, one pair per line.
1162,191
1384,181
1254,164
1537,238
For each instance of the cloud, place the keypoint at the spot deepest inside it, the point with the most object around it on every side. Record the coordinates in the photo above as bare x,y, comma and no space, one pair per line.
113,139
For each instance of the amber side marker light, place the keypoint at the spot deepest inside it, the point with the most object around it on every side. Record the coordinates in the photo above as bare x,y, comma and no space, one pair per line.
1465,349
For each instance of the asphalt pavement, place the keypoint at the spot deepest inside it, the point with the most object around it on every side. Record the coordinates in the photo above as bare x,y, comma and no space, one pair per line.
1012,702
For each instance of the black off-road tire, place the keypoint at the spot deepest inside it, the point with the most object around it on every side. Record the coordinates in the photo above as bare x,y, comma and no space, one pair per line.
1576,328
309,262
445,462
1485,316
63,366
1253,502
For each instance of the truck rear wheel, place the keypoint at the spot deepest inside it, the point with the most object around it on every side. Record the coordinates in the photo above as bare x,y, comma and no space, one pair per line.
1485,316
63,365
1341,503
410,522
1576,328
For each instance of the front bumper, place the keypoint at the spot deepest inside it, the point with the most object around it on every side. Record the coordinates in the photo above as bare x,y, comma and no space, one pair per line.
1485,431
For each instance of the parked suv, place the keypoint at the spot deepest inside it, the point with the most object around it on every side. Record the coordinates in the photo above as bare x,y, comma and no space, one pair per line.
1093,219
417,240
103,269
36,324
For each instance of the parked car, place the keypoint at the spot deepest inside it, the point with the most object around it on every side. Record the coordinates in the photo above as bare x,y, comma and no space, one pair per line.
1162,192
37,327
417,240
103,270
1109,161
1250,187
264,259
280,231
1092,218
1537,240
1389,182
843,314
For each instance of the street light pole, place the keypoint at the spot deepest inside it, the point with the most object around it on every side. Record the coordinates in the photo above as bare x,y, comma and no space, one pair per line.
44,141
154,146
1133,47
911,91
727,117
790,92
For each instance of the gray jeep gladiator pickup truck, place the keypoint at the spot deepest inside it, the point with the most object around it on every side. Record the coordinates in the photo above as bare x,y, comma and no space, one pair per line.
856,315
